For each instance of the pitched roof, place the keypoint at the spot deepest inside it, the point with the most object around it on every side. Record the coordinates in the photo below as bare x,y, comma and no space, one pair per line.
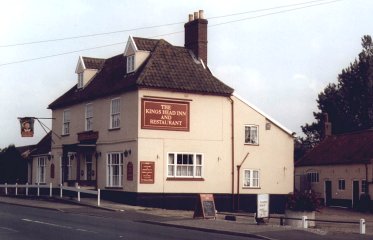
93,63
44,145
349,148
168,67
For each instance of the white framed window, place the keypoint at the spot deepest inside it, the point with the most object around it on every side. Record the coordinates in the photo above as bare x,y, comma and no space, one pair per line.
66,122
252,134
341,184
69,165
80,80
41,170
114,169
89,117
251,178
130,63
313,177
183,165
115,113
363,185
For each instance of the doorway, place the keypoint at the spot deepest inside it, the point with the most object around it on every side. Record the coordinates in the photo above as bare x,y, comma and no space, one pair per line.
89,168
355,193
328,193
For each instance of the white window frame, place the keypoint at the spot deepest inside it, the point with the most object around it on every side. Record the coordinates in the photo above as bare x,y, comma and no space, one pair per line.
249,179
131,63
363,185
114,180
69,165
41,169
80,80
115,113
313,177
251,139
341,184
66,119
188,168
89,117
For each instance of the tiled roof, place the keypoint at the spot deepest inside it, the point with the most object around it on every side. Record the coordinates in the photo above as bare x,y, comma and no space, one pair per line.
168,67
145,44
349,148
93,63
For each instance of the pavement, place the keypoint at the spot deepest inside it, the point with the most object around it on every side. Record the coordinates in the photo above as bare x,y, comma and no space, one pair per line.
242,225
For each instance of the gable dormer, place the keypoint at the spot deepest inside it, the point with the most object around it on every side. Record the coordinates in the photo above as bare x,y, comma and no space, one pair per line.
135,56
86,69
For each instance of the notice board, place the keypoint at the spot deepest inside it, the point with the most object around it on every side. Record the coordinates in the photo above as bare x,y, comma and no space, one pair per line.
147,172
262,206
205,206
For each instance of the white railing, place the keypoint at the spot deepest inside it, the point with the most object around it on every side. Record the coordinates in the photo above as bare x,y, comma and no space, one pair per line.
80,190
50,186
27,187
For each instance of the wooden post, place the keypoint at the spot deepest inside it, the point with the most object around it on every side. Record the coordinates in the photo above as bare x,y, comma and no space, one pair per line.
78,194
6,189
61,190
27,189
50,189
38,190
16,189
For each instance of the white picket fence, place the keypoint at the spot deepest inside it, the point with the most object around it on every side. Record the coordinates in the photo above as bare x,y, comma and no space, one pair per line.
27,186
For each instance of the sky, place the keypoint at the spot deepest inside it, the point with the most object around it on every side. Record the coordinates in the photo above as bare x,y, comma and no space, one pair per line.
277,54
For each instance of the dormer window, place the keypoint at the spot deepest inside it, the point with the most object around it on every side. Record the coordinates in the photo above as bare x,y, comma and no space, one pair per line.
80,80
130,63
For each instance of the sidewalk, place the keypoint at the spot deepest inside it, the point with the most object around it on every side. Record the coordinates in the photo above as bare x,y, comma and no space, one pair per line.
243,226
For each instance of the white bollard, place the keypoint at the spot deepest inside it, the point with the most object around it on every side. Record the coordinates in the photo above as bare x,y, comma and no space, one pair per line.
61,190
304,222
50,189
27,189
16,189
78,194
362,226
98,197
6,189
38,190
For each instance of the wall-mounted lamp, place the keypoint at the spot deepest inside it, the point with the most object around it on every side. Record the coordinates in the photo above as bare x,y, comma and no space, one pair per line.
97,155
50,156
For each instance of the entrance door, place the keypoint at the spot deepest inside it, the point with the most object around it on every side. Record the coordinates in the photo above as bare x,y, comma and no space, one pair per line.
355,193
328,193
88,162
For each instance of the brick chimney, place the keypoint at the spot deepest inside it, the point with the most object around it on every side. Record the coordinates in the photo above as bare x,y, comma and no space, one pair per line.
327,131
196,35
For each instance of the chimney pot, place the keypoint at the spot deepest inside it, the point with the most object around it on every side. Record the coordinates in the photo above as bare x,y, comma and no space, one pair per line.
196,15
191,18
201,14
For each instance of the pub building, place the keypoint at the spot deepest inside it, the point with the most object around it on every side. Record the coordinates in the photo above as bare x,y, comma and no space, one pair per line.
152,126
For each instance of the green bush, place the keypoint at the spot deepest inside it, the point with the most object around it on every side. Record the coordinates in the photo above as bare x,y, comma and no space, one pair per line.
303,201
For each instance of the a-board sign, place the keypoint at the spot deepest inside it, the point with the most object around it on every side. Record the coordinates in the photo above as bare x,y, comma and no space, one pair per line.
147,172
205,207
262,206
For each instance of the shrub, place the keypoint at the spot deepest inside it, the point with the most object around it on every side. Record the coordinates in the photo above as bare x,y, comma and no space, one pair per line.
303,201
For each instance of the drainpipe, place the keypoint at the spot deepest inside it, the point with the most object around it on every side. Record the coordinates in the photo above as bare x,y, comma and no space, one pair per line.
238,180
232,149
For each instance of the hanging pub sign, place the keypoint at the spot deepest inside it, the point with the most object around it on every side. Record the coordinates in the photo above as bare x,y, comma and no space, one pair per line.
164,115
27,127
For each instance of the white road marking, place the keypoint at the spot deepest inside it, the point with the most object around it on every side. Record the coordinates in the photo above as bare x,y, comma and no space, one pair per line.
57,225
9,229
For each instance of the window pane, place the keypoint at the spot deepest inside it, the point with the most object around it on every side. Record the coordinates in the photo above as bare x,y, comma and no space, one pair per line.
179,159
199,171
199,159
171,158
171,170
185,159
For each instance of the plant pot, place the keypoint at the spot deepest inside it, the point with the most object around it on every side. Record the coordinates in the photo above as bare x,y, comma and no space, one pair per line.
299,214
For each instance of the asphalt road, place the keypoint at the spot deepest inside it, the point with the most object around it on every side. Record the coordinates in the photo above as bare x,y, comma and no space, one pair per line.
17,222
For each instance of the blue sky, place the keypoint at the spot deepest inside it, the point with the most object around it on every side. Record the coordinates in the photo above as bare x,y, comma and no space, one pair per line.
278,59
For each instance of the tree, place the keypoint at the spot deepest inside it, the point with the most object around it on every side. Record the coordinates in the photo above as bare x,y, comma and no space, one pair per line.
349,103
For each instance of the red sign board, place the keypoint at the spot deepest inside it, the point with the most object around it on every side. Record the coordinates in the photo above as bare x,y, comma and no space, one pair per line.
27,127
164,115
147,172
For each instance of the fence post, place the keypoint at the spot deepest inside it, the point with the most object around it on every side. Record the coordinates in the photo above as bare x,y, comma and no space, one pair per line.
98,197
38,190
27,189
61,190
6,189
16,189
281,221
304,222
50,189
78,193
362,226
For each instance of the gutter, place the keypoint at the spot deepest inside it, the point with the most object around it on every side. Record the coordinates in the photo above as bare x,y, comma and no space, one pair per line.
238,180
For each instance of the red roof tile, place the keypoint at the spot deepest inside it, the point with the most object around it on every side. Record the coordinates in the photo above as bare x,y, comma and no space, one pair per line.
349,148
